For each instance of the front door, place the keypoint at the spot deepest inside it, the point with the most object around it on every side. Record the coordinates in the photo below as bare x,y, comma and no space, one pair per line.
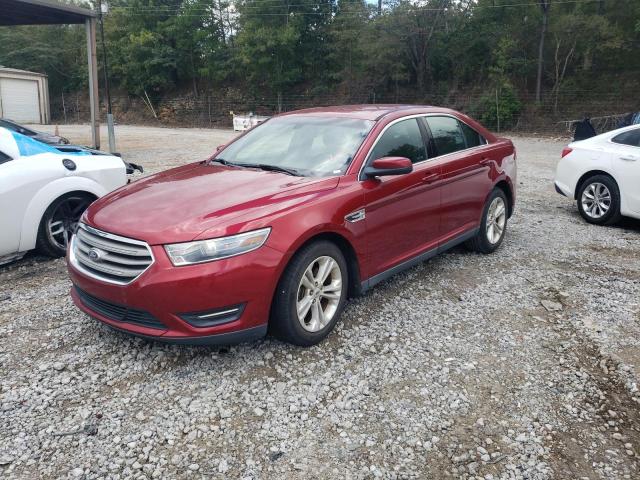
402,211
626,166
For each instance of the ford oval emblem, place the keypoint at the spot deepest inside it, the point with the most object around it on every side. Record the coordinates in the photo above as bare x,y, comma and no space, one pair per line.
69,164
95,254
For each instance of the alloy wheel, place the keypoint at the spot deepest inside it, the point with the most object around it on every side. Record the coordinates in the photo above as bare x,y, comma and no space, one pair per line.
319,293
64,220
596,200
496,220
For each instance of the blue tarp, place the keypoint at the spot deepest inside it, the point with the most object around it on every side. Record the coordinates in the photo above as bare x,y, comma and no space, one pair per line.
28,146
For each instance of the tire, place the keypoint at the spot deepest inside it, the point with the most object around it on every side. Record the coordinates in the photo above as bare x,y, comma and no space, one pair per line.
598,200
61,216
494,216
292,292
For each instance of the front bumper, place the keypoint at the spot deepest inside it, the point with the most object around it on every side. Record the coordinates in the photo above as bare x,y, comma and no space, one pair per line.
168,293
231,338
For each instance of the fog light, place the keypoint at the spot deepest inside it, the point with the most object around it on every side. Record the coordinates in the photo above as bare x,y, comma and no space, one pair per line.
211,318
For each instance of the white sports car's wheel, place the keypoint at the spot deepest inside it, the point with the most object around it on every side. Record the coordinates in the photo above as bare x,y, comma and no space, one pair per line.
60,221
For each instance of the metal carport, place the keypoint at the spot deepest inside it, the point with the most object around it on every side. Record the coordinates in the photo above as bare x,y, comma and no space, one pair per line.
45,12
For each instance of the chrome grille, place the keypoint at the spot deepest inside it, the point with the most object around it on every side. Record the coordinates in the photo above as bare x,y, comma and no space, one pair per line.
109,257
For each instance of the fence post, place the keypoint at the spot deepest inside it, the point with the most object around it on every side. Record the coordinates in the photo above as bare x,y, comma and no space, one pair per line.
497,110
64,109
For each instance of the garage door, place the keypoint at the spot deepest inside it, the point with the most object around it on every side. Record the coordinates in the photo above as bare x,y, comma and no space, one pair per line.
20,100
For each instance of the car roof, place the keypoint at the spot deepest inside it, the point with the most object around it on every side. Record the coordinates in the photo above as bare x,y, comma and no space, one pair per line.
605,136
367,111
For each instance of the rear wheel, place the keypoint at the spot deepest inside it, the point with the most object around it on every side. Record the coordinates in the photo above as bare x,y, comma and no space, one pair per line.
599,200
60,221
311,295
493,225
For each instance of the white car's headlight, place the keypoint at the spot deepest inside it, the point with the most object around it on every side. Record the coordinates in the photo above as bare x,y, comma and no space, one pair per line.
202,251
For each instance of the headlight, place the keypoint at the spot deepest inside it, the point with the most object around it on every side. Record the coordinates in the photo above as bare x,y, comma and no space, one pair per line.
217,248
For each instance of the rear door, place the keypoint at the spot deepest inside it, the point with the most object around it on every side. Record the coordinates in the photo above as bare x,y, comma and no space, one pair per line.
465,159
626,166
401,211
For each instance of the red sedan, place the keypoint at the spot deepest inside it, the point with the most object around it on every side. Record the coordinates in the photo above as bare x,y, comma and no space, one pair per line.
278,228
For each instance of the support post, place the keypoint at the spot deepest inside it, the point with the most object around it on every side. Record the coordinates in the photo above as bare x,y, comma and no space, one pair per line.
111,133
90,24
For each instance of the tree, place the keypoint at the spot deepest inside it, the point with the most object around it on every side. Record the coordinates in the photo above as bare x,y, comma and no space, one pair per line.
280,44
577,37
545,5
415,25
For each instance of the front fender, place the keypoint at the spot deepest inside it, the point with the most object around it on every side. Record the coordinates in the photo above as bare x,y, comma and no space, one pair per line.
45,197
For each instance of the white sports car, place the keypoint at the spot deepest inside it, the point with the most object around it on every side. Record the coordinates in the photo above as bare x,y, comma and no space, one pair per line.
45,189
602,174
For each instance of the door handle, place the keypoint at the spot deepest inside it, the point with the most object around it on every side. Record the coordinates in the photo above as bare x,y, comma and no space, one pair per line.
629,159
486,162
430,177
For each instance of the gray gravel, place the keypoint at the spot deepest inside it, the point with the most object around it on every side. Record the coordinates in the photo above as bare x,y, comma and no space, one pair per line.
522,364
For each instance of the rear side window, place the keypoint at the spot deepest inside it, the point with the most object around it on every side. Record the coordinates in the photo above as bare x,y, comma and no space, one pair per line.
472,137
446,134
402,139
632,138
4,157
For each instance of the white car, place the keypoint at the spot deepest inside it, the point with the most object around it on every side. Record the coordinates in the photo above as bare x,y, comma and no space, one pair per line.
602,174
44,190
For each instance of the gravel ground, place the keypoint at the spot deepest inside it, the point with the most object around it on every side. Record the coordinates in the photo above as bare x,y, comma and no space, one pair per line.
522,364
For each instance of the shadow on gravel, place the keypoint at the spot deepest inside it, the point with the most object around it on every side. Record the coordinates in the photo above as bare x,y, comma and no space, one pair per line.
630,224
29,259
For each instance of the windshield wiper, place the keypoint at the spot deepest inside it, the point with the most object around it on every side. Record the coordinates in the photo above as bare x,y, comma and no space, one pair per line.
261,166
270,168
222,161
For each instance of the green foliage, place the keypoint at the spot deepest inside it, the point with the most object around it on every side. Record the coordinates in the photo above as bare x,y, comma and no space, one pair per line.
343,50
500,109
58,51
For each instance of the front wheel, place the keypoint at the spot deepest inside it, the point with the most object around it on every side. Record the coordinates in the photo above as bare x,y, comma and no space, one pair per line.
493,225
59,222
310,295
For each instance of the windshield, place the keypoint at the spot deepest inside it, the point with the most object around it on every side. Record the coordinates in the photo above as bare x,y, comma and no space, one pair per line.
15,127
309,146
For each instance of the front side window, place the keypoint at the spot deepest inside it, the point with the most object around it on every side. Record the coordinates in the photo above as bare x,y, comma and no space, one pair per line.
402,139
631,138
446,134
307,145
472,137
4,157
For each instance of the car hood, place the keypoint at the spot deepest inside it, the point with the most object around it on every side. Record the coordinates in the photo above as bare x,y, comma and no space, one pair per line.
200,201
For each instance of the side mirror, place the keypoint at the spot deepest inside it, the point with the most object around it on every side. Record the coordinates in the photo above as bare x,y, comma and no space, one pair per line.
388,166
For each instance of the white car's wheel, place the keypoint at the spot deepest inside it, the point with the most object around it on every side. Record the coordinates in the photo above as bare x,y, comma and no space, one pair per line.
60,221
598,200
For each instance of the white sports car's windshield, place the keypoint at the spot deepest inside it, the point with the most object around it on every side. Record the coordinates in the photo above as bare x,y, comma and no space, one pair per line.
300,145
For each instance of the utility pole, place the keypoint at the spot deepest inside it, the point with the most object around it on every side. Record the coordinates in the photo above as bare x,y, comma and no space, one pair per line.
379,7
112,138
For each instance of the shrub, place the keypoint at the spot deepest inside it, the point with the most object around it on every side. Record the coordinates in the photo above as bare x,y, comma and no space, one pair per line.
508,107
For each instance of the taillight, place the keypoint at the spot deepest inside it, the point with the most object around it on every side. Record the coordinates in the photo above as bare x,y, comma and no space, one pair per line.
566,151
